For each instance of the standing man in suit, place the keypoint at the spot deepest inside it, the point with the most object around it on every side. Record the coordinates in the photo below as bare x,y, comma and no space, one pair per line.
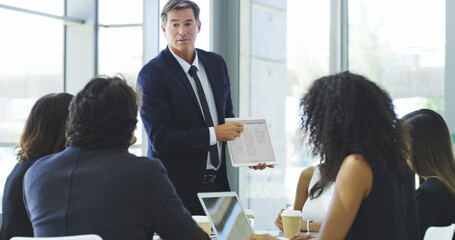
186,98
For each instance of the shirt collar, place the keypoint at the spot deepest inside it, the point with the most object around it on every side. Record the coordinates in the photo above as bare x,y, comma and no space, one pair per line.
184,64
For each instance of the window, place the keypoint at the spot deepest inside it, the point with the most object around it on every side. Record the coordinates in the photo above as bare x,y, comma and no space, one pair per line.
119,12
404,55
281,66
120,47
54,7
31,63
307,59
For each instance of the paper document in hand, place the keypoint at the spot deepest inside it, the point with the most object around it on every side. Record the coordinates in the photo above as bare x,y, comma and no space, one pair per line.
253,146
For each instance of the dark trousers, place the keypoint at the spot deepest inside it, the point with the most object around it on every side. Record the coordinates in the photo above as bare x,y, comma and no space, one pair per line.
220,184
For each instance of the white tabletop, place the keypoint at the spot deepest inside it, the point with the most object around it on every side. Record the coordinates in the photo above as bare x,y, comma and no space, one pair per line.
280,235
277,234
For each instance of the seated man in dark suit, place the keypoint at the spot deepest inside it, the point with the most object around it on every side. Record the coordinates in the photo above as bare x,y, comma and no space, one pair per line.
95,185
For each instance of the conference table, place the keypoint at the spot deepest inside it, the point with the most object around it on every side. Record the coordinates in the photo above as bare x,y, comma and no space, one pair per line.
277,234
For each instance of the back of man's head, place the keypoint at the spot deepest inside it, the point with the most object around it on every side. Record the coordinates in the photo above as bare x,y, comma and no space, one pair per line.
103,114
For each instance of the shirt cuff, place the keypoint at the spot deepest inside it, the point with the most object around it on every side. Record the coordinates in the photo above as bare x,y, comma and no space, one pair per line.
212,136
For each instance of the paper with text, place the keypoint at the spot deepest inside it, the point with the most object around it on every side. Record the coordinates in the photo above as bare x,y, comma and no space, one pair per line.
253,146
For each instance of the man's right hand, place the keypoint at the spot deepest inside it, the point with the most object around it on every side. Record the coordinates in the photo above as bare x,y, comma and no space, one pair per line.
228,131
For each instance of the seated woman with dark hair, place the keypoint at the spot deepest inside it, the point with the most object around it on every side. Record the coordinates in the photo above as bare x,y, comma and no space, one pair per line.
96,186
43,134
432,159
352,127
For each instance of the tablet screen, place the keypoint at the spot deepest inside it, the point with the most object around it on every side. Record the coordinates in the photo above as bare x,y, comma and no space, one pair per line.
253,146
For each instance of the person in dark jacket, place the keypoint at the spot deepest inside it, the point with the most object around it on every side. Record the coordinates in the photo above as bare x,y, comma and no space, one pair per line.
432,159
43,134
95,186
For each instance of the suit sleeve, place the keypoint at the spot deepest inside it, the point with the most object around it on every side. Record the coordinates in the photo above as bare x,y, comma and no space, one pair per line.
170,131
171,220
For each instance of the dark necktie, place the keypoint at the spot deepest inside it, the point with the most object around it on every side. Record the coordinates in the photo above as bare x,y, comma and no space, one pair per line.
214,159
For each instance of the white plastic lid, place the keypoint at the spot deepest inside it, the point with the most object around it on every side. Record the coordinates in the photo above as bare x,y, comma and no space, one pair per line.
200,218
249,212
291,213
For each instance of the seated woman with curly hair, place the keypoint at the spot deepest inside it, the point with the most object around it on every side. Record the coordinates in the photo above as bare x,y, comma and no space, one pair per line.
353,129
432,159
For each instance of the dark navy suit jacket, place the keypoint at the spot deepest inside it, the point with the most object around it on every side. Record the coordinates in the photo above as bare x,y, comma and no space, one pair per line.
108,192
15,220
174,121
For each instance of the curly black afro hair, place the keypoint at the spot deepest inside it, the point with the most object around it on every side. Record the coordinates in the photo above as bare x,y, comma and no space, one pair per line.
345,114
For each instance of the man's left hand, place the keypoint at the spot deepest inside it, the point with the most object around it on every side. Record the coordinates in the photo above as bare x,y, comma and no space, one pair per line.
261,166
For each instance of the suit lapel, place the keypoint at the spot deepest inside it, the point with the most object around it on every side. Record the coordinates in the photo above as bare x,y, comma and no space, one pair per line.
181,75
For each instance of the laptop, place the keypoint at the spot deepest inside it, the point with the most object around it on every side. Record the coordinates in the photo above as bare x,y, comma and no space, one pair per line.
226,215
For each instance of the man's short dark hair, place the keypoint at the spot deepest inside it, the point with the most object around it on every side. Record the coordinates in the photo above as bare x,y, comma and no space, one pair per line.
103,114
172,5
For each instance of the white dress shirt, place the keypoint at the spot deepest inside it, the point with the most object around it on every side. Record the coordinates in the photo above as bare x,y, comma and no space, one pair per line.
209,97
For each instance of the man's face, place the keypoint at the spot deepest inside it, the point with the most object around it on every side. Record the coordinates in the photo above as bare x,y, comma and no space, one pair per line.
181,30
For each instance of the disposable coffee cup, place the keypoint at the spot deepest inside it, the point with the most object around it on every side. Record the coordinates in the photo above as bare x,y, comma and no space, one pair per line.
291,222
203,222
250,215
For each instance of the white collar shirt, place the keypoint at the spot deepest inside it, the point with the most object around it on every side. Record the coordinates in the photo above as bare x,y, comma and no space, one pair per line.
208,95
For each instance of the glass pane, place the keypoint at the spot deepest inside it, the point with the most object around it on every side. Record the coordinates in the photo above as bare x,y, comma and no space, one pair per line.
120,51
203,37
405,55
120,11
308,59
54,7
282,66
31,65
7,162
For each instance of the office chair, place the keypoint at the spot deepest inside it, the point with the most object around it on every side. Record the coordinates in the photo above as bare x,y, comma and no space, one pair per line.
76,237
440,233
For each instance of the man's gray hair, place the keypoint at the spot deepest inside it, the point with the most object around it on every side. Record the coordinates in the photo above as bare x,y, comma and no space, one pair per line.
172,5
